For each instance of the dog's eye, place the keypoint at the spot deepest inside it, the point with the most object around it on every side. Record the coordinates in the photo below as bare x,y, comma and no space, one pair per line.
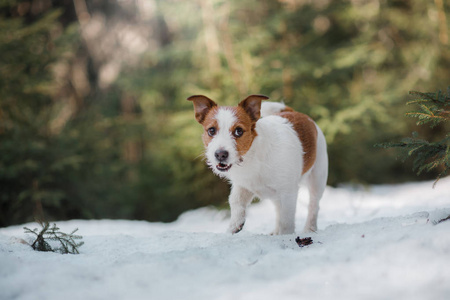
238,132
212,131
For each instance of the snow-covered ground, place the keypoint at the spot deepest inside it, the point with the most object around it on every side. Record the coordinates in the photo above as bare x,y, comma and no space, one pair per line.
374,243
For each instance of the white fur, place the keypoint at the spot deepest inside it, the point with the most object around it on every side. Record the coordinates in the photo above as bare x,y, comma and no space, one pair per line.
271,169
271,108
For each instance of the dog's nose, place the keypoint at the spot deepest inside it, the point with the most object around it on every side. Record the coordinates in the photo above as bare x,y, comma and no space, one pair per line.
221,155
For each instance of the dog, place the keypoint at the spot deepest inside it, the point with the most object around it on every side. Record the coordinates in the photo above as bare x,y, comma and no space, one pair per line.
266,150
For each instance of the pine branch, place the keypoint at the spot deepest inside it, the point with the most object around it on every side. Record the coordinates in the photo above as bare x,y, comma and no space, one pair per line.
39,244
428,156
423,96
433,108
66,241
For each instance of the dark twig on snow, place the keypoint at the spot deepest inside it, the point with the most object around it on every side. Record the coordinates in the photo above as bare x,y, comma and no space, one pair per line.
303,242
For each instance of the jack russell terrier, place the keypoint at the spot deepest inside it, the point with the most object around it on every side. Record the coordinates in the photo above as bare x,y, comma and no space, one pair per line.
267,157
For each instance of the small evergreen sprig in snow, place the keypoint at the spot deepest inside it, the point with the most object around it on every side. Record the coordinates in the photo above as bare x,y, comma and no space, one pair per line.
433,109
67,241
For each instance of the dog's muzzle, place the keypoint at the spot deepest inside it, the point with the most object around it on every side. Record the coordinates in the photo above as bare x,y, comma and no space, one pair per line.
222,157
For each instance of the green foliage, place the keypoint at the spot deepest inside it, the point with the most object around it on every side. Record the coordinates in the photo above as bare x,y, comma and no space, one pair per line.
67,243
74,171
30,164
434,108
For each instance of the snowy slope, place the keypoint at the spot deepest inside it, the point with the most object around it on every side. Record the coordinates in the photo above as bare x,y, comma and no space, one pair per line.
374,243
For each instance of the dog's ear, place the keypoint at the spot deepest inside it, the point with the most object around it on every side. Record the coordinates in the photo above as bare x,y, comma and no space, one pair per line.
202,106
252,105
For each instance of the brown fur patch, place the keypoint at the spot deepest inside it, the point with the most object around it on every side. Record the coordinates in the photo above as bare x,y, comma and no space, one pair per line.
307,133
202,106
208,122
286,109
252,105
245,122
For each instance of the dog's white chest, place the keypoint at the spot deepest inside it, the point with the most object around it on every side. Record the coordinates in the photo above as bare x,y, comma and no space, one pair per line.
259,183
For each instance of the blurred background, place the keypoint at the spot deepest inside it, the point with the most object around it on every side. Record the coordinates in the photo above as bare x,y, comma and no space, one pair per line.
94,121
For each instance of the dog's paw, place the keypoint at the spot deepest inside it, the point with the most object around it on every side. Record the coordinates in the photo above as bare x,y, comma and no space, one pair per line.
310,229
283,229
235,228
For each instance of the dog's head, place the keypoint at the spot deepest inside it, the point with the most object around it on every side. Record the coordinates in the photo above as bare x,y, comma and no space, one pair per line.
229,131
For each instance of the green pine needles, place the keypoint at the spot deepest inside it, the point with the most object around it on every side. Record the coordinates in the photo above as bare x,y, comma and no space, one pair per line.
432,109
67,243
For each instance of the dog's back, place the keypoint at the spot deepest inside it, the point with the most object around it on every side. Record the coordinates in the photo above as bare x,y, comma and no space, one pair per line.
315,157
304,126
272,108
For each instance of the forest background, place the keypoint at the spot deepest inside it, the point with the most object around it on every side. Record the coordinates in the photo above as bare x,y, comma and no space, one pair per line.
94,121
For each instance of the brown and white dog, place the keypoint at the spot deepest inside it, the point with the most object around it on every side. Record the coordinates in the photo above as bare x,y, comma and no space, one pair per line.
267,157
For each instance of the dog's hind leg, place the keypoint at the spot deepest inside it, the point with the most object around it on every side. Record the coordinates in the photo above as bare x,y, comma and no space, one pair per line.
239,200
317,182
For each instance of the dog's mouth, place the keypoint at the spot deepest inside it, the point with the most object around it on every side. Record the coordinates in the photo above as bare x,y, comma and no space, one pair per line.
223,167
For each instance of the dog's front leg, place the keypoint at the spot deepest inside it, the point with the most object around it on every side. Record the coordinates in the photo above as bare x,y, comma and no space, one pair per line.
239,199
285,205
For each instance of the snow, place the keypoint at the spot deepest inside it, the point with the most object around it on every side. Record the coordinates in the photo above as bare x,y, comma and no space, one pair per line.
376,242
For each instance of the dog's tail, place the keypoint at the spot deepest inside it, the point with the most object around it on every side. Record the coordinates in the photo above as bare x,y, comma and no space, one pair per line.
273,108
